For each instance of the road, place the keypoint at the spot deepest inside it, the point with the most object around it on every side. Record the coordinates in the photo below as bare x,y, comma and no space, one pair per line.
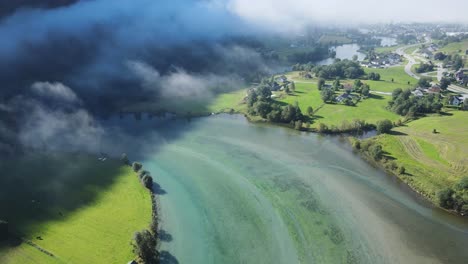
410,58
411,61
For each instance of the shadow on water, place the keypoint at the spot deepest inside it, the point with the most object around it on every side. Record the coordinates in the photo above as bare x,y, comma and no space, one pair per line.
167,258
165,236
158,190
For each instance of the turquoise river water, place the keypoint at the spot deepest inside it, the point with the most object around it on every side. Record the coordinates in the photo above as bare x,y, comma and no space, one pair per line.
236,192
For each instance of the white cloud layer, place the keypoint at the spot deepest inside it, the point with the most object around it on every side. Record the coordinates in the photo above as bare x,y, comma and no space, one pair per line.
283,15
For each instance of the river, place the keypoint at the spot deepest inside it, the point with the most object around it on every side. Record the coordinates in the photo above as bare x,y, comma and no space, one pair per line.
237,192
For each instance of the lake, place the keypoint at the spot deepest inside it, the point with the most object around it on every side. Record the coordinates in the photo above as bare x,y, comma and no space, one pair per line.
237,192
346,51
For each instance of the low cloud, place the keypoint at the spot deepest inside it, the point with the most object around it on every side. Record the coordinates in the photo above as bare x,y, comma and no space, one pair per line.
55,91
180,83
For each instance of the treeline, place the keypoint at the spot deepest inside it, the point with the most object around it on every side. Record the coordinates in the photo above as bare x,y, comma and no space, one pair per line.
259,103
145,242
355,126
404,103
406,39
425,67
374,151
455,61
339,69
314,54
455,198
445,40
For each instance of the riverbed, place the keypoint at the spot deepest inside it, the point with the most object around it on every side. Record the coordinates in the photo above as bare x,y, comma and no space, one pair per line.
237,192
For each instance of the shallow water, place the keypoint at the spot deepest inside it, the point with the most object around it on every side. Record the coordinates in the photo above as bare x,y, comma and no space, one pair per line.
236,192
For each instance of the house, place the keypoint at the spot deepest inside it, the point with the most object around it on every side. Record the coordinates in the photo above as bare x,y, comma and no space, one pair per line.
466,52
343,97
348,87
434,89
417,93
455,100
281,79
459,75
132,262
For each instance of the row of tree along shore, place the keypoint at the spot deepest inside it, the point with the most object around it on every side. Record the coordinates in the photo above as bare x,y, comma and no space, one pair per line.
145,243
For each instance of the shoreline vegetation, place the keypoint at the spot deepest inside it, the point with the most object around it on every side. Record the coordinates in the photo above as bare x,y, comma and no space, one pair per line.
145,242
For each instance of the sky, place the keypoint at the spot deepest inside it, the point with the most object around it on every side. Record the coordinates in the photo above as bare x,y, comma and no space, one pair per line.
295,14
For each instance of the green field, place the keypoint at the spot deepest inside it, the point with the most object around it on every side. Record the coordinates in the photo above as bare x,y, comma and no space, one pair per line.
400,79
456,47
78,208
432,161
371,109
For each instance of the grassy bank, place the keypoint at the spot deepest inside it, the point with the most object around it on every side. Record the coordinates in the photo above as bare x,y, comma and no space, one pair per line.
78,208
371,109
433,161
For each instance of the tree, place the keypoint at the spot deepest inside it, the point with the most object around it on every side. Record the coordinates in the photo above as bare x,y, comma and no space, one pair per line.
425,82
440,56
445,198
262,108
394,80
425,67
142,174
322,128
144,246
463,183
320,83
444,83
252,97
292,86
465,105
355,57
337,84
136,166
264,93
327,95
401,170
384,126
365,90
124,159
147,181
376,152
298,125
357,85
374,76
310,111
